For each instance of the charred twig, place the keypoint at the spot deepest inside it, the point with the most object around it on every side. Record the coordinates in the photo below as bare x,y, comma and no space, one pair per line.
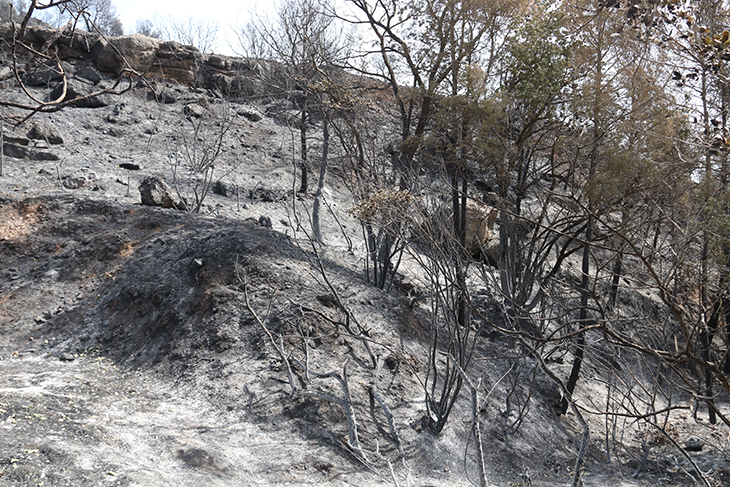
376,396
700,473
350,319
279,348
476,424
576,410
345,402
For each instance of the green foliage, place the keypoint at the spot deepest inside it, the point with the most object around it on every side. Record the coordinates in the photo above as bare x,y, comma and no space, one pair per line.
641,160
537,60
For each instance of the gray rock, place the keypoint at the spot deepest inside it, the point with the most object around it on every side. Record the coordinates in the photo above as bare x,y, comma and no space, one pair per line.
225,189
193,110
268,195
79,179
155,192
130,166
21,152
74,182
265,221
44,131
250,113
162,96
89,73
14,138
79,89
694,444
218,62
46,74
328,300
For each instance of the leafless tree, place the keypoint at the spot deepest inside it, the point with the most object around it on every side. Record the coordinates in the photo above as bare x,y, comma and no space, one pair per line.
148,28
194,149
95,15
305,41
199,33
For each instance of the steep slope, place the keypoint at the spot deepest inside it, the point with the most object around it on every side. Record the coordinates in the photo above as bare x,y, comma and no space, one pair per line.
129,355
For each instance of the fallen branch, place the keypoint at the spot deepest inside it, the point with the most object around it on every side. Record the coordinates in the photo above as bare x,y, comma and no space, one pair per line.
476,424
279,349
576,410
375,395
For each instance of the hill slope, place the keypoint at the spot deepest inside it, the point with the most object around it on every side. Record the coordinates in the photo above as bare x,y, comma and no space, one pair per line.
129,355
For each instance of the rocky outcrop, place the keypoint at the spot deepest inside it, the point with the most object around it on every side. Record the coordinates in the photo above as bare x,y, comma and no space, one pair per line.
86,55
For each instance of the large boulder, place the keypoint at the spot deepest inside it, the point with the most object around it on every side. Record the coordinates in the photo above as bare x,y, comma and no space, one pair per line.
155,192
480,220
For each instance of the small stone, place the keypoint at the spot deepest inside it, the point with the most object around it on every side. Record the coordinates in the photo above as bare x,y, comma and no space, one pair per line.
265,221
250,113
67,357
130,166
193,110
694,444
224,189
44,132
74,182
327,300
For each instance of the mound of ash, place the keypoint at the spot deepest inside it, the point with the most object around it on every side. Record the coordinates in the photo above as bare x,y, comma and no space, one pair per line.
157,285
